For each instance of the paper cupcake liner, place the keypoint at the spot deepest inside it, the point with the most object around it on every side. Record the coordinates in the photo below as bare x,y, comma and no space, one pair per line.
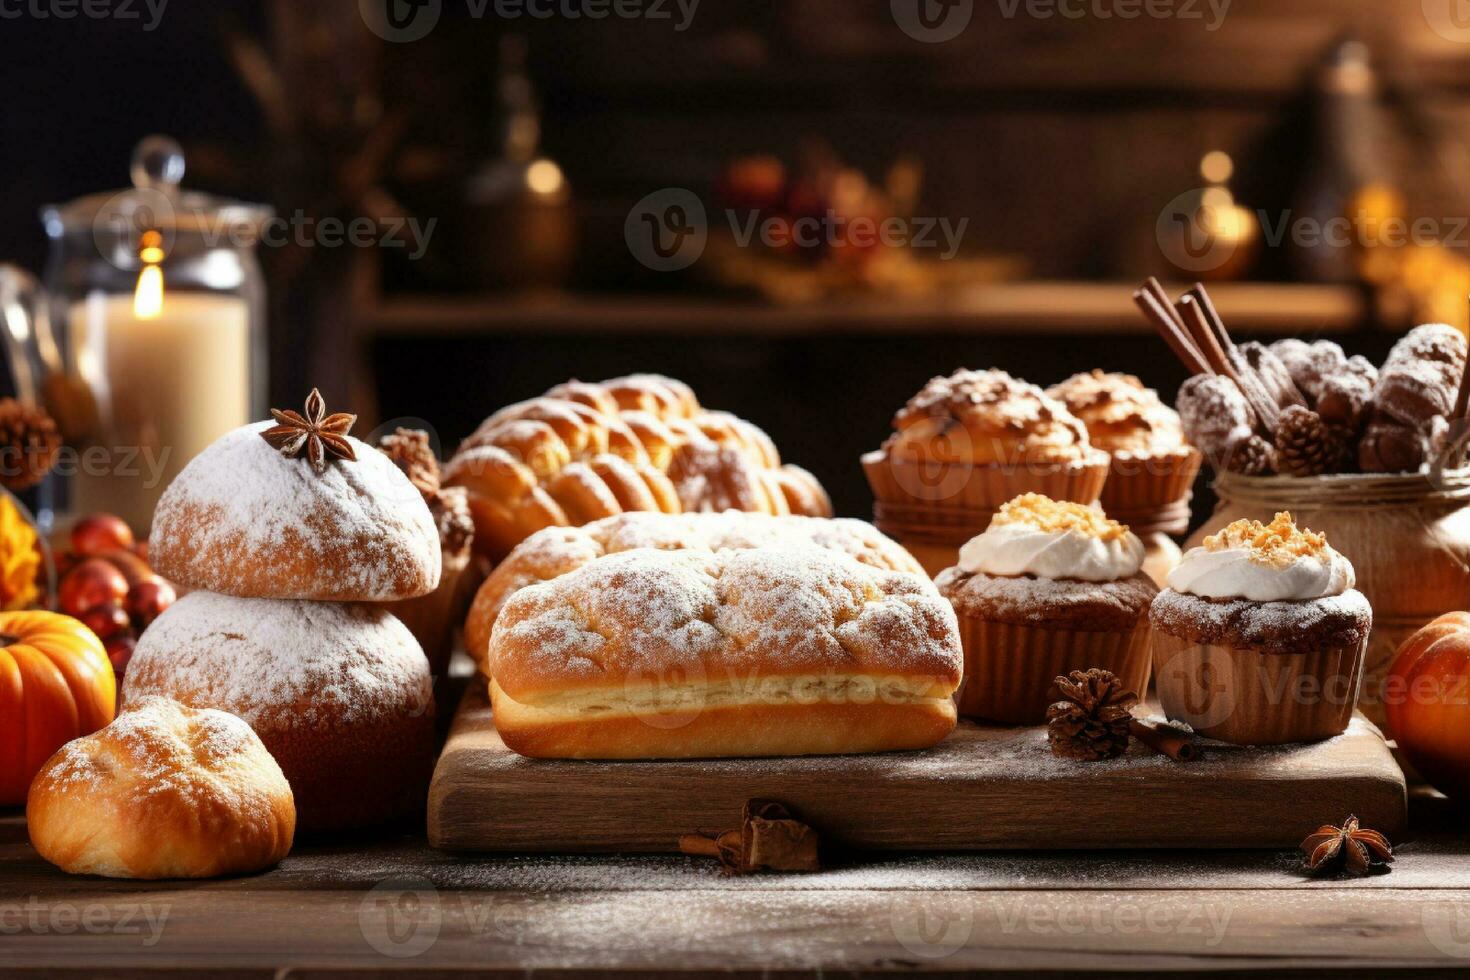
1009,669
1248,696
937,489
1152,492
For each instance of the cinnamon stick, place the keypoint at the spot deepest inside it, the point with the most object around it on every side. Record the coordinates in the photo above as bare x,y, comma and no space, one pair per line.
1166,741
1161,316
699,845
1462,397
1235,368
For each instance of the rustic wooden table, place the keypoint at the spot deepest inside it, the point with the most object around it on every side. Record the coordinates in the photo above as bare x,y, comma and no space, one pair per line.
388,903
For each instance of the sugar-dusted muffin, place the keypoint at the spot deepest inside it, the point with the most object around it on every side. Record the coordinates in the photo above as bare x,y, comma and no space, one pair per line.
1259,638
966,444
1049,587
1153,468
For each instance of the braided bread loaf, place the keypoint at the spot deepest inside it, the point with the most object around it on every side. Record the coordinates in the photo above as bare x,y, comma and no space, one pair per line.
585,451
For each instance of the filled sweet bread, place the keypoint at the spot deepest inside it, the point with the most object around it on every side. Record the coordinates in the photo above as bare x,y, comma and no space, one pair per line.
556,551
741,652
340,694
164,791
586,451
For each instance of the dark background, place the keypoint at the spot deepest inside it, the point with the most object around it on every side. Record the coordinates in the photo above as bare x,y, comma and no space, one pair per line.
1059,140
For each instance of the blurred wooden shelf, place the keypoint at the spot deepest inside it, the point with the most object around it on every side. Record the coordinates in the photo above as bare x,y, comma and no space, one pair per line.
1097,308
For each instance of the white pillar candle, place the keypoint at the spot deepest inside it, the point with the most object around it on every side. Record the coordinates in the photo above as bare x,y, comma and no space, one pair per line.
167,385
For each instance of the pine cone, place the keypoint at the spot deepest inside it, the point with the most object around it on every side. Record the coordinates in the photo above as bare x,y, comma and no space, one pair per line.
410,451
29,444
1251,456
1091,722
1306,445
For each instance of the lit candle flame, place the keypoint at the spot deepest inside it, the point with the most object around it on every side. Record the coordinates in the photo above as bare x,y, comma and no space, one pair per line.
148,296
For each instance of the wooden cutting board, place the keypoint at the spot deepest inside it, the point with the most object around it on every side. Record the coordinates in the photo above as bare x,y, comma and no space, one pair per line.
982,788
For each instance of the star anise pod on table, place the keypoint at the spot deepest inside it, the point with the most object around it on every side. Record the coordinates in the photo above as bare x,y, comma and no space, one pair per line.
316,433
1351,848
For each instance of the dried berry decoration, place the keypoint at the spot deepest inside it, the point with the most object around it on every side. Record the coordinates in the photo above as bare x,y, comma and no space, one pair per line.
1349,848
316,433
29,444
1306,445
1091,721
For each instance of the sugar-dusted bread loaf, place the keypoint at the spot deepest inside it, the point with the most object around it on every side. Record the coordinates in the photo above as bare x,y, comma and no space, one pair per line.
742,652
557,550
339,693
586,451
164,791
245,520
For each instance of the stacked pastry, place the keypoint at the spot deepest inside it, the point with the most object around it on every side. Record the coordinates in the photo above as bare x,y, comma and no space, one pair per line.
966,444
727,635
291,534
639,443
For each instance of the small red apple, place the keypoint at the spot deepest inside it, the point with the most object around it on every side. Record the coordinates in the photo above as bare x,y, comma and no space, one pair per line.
119,649
148,599
93,582
97,533
106,620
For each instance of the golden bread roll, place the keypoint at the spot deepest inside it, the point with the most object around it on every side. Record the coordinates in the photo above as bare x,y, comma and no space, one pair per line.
339,693
245,520
557,460
741,652
555,551
165,791
984,418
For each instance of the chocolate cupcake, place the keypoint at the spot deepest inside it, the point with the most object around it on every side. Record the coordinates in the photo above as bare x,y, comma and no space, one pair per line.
1260,637
1152,467
965,445
1048,588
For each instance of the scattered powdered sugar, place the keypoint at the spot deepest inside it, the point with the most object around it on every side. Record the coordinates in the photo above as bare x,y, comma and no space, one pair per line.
788,608
240,504
289,662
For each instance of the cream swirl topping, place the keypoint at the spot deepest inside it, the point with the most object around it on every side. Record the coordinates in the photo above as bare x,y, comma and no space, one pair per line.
1276,562
1033,535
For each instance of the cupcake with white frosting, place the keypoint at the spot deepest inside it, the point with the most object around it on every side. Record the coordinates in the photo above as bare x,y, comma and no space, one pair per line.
1048,588
1259,638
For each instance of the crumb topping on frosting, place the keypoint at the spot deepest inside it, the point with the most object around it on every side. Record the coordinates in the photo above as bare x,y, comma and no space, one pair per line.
1045,514
1278,544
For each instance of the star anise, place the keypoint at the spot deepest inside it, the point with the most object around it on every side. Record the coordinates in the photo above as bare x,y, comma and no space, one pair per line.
317,433
1349,848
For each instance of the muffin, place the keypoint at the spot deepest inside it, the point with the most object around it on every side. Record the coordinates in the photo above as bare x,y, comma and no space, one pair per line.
965,445
1049,587
1259,638
1152,468
432,618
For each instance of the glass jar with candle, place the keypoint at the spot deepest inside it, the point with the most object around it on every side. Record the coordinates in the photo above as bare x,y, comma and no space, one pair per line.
156,304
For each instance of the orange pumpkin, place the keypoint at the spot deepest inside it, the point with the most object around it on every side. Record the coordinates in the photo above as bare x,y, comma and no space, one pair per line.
1427,699
55,685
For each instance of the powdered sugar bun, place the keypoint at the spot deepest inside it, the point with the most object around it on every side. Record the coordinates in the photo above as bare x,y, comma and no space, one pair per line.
245,520
164,791
339,692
